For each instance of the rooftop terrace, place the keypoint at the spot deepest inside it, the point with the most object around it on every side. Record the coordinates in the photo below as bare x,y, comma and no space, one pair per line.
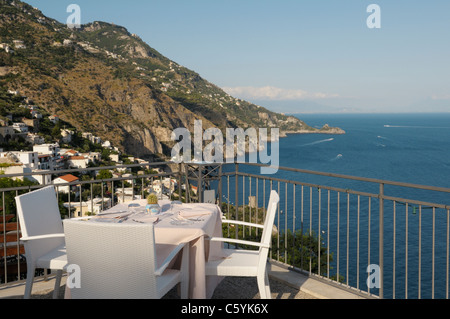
285,284
345,224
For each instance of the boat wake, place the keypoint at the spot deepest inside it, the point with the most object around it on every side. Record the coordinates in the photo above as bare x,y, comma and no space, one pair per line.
340,156
319,142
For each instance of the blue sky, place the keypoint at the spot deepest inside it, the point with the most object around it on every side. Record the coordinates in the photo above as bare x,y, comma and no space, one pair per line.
296,55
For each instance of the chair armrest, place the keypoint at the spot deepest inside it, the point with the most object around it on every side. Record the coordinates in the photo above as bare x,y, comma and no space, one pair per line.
236,222
239,241
82,218
172,255
48,236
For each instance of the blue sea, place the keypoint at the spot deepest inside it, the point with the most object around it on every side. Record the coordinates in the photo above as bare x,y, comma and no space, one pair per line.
412,148
408,148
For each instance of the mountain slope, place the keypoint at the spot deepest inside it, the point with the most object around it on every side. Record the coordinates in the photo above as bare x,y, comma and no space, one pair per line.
104,80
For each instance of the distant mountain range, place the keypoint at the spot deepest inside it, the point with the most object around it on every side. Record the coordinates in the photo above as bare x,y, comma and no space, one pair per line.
104,80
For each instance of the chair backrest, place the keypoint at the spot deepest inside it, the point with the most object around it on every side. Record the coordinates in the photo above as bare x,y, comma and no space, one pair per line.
38,213
266,236
209,197
116,261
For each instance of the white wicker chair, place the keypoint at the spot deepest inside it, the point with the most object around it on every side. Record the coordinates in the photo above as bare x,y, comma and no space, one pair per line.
248,263
118,261
42,234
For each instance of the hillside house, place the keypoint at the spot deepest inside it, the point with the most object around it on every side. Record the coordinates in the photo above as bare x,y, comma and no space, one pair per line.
125,195
47,149
89,207
27,159
13,92
35,114
77,162
93,157
54,119
48,155
67,135
6,133
66,179
114,157
69,153
34,139
20,127
23,163
19,44
92,138
34,123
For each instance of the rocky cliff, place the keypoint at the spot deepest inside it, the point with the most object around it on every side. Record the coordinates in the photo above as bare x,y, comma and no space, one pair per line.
104,80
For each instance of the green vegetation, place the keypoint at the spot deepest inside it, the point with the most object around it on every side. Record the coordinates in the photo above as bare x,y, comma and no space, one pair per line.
104,80
299,249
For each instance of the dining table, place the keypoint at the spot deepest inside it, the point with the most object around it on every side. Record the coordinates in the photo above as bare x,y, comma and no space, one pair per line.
177,223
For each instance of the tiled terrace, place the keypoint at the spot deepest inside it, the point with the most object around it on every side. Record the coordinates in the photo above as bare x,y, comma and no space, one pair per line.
360,222
285,284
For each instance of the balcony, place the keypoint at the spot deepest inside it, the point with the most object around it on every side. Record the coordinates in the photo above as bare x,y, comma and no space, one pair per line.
285,284
336,236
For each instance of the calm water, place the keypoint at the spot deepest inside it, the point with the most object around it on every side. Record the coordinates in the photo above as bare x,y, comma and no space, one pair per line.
411,148
401,147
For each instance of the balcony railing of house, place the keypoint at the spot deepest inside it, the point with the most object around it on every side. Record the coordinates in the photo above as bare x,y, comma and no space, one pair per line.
375,237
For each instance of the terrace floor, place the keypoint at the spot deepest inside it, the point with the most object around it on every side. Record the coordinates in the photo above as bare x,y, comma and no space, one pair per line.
284,284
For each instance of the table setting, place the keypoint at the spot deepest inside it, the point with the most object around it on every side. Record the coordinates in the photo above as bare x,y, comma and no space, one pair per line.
176,222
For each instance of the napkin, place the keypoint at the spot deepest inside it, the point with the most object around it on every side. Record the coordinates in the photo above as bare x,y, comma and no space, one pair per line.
187,213
117,215
147,219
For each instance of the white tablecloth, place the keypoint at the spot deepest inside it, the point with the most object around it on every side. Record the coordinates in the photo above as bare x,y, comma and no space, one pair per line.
186,223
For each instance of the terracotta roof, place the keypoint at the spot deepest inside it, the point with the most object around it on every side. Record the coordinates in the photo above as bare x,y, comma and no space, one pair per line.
69,178
77,158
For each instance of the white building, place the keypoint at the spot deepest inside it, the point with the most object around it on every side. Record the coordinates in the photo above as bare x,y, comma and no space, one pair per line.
14,92
66,179
48,155
54,119
34,139
94,206
77,162
20,127
19,44
28,159
165,186
125,195
93,156
67,135
107,144
47,149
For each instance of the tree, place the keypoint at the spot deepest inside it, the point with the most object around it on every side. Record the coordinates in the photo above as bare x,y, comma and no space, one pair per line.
104,174
299,249
10,204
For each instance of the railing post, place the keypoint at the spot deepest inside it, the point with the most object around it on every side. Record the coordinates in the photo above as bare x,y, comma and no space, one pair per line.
200,183
220,186
381,235
236,197
180,191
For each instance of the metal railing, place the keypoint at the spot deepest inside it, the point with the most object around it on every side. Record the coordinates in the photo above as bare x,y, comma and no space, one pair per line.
379,238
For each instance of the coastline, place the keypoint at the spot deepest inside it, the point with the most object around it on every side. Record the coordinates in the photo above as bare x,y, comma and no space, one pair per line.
326,129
